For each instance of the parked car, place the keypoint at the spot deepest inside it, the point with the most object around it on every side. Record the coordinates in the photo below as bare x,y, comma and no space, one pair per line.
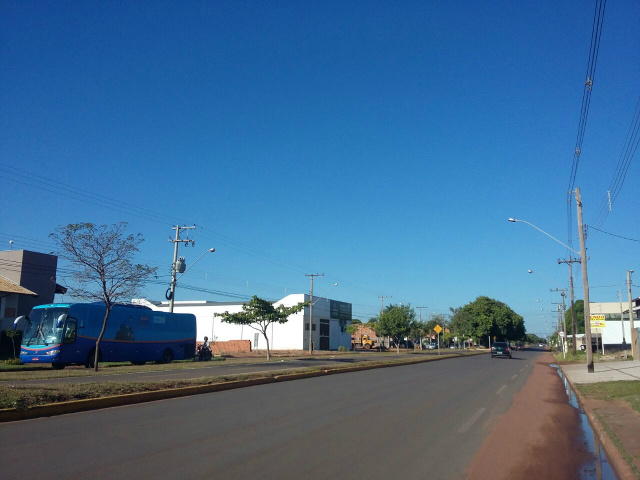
500,349
432,346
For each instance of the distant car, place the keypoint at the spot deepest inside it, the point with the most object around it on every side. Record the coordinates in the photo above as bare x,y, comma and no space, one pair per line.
452,346
500,349
541,345
432,346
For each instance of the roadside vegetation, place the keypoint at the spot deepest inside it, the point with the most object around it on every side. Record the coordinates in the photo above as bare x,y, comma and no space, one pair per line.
628,391
20,395
581,357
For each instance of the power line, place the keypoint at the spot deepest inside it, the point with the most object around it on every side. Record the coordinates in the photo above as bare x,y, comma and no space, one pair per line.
614,235
626,156
594,50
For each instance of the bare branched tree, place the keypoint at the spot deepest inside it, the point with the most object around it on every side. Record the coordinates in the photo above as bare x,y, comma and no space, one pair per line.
104,258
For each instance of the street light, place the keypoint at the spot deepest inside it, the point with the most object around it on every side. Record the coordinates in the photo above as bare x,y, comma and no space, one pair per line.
174,280
324,293
514,220
311,309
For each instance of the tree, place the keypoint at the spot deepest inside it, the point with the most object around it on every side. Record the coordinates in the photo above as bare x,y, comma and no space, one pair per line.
486,317
259,314
355,321
396,322
103,256
533,338
578,308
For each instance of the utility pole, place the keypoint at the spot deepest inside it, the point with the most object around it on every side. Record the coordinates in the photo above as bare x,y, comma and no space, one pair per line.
382,297
573,314
585,284
420,310
174,266
624,341
634,333
562,318
311,275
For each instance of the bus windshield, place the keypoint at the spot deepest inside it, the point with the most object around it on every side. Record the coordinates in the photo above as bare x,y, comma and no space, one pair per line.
41,329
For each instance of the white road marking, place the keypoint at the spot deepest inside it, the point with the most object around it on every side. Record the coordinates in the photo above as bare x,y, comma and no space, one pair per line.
472,420
514,376
501,389
522,368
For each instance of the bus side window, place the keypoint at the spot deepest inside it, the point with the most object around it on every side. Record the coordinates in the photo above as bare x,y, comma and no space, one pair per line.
70,332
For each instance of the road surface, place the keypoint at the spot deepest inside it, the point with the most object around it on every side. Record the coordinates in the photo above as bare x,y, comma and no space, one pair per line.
414,422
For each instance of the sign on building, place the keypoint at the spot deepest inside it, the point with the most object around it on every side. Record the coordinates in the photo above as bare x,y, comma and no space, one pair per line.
597,321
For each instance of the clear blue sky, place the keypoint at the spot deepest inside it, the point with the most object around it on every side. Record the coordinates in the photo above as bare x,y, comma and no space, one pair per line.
383,144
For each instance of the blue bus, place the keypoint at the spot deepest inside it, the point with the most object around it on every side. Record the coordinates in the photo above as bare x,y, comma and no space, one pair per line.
65,333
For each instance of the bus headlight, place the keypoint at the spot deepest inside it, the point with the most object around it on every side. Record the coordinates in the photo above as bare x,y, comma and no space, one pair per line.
53,352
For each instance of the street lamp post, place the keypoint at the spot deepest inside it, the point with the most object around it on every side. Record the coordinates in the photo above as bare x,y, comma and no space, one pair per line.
174,270
585,280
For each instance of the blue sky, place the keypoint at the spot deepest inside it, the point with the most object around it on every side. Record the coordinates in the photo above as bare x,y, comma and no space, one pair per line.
384,145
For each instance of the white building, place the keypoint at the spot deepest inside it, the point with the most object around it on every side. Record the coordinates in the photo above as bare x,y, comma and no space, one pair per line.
330,317
612,333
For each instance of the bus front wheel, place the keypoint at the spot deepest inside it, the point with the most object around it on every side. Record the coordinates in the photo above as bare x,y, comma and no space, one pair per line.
167,356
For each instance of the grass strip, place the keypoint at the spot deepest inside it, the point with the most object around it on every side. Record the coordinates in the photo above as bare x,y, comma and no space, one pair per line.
21,396
626,390
618,444
13,373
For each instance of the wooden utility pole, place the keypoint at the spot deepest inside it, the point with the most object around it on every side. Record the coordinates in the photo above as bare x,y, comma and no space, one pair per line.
174,265
585,284
573,314
420,310
634,334
311,275
382,297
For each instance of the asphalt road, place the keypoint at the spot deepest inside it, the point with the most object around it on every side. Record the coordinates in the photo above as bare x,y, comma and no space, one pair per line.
418,421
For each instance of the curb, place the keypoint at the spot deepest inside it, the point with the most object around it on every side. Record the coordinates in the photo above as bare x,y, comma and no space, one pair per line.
619,465
75,406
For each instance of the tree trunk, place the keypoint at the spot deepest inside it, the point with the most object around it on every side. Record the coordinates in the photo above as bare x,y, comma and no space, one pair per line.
264,333
104,327
398,345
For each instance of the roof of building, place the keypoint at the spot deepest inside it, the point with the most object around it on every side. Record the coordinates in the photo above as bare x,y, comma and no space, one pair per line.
7,286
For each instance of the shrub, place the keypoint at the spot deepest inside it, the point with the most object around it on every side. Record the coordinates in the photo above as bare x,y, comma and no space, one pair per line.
342,348
13,361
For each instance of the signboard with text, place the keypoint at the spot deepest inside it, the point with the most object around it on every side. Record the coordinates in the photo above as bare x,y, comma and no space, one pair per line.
340,310
597,321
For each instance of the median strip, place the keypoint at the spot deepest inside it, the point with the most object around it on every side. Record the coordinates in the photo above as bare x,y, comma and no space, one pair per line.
24,401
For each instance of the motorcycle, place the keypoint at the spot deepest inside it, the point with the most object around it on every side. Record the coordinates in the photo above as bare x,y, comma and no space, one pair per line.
203,354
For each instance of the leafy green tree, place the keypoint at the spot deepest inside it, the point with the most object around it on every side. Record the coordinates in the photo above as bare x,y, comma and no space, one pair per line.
486,317
396,322
578,309
532,338
103,256
259,314
355,321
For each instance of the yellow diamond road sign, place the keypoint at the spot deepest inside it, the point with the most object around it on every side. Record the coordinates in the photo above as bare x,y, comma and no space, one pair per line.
438,328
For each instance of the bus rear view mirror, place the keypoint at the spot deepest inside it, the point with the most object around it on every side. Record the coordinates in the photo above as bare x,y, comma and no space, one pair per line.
18,320
60,321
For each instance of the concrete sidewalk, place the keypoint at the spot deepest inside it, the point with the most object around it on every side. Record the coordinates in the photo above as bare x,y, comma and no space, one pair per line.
616,422
603,372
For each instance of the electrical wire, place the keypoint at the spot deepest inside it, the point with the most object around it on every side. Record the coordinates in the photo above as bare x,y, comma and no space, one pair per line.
620,174
594,50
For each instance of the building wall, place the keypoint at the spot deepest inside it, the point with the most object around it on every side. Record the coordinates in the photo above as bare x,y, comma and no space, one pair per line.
292,335
612,332
33,271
